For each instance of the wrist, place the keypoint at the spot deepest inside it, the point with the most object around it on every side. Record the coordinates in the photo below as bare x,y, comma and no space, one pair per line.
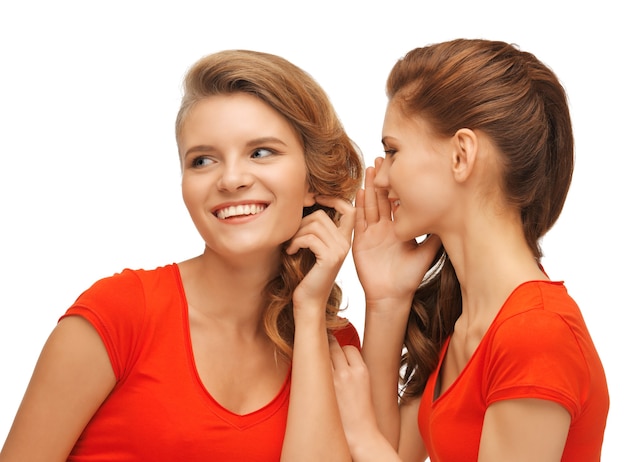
309,313
371,446
389,307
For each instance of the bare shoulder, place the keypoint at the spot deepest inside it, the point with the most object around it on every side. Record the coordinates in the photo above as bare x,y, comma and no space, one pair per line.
72,378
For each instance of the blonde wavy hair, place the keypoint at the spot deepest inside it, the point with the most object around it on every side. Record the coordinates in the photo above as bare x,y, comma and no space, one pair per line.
334,163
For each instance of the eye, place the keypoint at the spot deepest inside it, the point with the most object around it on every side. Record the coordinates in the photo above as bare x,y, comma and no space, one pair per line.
201,161
260,153
389,152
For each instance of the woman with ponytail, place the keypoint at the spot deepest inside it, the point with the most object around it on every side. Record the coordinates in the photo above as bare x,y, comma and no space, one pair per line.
494,357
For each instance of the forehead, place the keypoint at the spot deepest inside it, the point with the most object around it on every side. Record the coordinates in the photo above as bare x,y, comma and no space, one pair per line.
237,115
241,106
397,121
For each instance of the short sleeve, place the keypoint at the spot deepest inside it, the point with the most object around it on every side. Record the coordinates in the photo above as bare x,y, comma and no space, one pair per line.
348,335
115,307
535,354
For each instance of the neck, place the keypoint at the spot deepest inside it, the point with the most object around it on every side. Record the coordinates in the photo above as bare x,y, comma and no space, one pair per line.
229,290
491,258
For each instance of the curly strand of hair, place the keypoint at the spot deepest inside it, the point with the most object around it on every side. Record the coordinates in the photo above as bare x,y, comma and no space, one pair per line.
436,306
278,319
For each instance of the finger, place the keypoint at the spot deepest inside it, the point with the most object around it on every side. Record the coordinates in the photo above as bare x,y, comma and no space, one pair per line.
370,207
384,206
320,235
378,162
340,205
382,195
346,211
337,356
353,355
360,224
305,240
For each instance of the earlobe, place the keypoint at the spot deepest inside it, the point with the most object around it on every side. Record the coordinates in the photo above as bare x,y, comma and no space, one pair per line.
309,199
465,148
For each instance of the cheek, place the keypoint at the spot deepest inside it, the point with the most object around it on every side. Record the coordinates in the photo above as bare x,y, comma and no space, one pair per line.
185,191
295,201
191,196
293,184
401,177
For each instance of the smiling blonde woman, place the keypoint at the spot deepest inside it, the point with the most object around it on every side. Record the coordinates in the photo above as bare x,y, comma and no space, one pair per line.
223,357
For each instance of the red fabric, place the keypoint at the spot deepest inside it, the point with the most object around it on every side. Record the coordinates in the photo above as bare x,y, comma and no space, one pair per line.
537,347
159,409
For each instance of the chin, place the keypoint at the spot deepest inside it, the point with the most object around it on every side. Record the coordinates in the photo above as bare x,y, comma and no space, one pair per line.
405,235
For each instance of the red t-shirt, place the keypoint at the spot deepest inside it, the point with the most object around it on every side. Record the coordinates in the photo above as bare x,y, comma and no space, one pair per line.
538,346
159,409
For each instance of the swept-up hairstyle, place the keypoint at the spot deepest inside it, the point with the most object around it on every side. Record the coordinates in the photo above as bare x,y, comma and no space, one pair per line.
519,103
333,162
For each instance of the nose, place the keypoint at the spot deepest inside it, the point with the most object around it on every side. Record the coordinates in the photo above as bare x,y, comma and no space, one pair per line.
234,175
381,180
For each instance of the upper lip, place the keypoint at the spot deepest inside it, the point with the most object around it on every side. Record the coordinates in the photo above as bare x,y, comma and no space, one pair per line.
248,207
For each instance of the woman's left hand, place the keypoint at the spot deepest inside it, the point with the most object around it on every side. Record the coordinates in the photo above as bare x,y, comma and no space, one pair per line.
354,397
310,422
352,387
329,243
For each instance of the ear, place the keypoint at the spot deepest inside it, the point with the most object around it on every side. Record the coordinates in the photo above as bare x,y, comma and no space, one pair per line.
464,153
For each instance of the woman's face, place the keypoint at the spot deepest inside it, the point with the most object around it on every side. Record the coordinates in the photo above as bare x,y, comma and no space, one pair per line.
416,173
244,175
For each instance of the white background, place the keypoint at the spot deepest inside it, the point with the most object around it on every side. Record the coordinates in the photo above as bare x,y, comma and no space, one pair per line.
89,175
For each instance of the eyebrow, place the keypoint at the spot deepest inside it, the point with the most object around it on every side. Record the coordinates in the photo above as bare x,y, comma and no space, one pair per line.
254,142
199,148
385,138
265,139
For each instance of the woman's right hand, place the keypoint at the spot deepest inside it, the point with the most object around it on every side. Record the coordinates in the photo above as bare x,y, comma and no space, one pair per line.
390,271
387,267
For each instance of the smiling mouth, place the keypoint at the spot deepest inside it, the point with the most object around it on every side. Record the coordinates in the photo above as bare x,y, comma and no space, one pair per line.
239,210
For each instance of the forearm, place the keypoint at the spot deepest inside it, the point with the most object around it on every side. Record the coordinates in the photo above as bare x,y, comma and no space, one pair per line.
385,325
314,431
374,448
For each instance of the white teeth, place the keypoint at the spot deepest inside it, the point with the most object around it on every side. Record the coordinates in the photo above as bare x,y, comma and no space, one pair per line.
238,210
396,203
